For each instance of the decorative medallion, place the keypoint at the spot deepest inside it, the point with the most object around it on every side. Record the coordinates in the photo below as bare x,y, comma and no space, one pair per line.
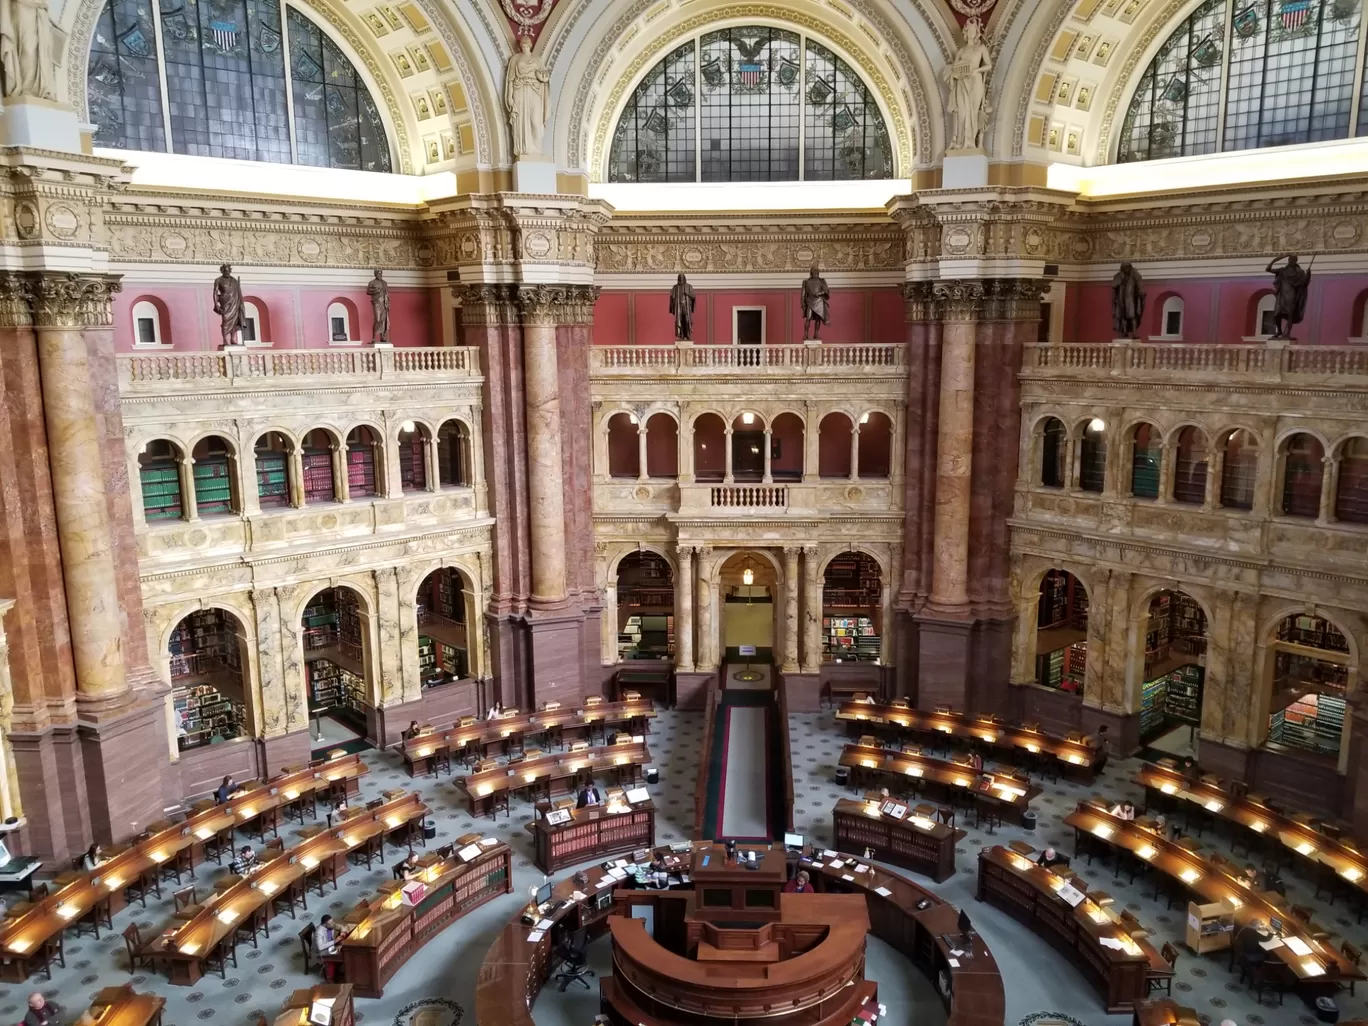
430,1012
470,246
328,521
537,244
1033,240
26,220
527,14
693,256
174,244
642,494
1345,233
973,8
310,250
62,221
958,240
1201,240
196,538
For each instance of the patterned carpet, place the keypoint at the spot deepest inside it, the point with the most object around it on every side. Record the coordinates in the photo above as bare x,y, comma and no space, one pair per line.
437,987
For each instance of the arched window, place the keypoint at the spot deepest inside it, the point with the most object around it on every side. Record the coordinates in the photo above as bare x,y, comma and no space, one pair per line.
1351,493
1171,319
252,333
662,446
1092,456
453,455
413,443
1239,470
159,475
709,447
875,446
1189,476
833,446
1263,316
227,80
213,477
624,446
750,104
1302,471
1052,454
1290,79
272,452
361,462
316,458
146,325
1146,454
339,323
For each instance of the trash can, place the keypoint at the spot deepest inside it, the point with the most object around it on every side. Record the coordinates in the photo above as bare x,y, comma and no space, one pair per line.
1326,1010
1028,821
842,775
652,775
429,829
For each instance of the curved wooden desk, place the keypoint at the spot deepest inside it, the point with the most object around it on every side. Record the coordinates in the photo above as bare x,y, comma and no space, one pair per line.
1010,796
515,968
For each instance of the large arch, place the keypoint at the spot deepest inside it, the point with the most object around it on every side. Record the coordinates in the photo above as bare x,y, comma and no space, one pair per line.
466,51
599,52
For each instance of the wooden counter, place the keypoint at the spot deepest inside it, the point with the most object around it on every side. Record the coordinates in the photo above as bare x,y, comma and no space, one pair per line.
550,775
555,724
388,931
1167,1012
295,1010
187,945
101,890
908,841
592,833
1338,860
121,1006
869,764
1084,933
1012,740
1319,970
971,991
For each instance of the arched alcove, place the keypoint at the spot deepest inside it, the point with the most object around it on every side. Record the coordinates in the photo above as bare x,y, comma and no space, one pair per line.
749,588
414,443
645,607
215,477
208,658
875,446
1310,667
1190,469
334,642
1147,451
1174,673
1239,469
159,475
1062,632
834,436
624,447
1052,443
787,441
454,457
316,454
852,609
709,447
1092,455
446,615
365,463
272,452
662,446
1303,472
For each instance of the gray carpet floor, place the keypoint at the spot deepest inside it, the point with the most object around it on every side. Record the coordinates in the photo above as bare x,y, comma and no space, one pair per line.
437,986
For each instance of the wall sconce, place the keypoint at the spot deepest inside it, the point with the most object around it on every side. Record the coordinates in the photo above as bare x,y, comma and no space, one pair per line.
407,427
747,418
1097,424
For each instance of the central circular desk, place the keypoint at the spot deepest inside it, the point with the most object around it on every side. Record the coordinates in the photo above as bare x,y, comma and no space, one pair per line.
648,983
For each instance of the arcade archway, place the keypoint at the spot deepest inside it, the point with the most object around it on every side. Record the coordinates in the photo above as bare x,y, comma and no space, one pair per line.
1062,632
208,660
852,609
335,665
1174,672
749,587
1311,669
445,617
645,607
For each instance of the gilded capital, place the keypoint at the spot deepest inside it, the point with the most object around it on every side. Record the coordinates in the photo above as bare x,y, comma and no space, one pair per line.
483,303
15,311
557,304
960,300
67,300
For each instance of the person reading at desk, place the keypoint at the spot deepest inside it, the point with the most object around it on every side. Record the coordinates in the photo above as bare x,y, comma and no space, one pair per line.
408,868
976,762
588,795
495,711
1247,945
92,858
225,790
413,731
41,1011
245,862
1252,877
800,884
1125,810
327,938
1049,858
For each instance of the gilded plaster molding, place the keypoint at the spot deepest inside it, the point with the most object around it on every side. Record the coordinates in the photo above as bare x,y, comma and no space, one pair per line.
1061,14
1135,51
742,248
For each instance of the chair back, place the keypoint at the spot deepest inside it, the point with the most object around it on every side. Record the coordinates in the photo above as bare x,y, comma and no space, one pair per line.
375,803
132,938
1301,912
1351,953
184,896
40,891
1169,954
276,844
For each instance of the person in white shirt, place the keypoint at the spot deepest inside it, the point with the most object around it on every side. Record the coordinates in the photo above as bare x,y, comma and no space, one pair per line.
1124,811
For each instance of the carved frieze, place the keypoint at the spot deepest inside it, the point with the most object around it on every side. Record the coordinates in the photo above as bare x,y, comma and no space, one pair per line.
627,248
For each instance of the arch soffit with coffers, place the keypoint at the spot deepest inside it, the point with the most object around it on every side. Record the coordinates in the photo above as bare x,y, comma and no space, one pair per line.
719,557
597,61
1103,47
474,35
880,559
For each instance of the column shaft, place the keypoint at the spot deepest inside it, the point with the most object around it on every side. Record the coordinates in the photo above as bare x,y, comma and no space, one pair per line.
545,466
812,613
684,601
791,588
641,450
705,615
189,507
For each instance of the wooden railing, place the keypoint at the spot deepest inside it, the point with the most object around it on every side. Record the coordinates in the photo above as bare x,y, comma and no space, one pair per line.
227,368
687,359
1165,361
705,755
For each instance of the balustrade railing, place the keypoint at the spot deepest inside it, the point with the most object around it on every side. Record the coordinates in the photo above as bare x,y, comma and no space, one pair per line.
687,359
1141,359
228,367
749,496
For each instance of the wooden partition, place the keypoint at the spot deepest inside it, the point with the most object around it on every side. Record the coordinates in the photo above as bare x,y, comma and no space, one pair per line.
785,755
705,760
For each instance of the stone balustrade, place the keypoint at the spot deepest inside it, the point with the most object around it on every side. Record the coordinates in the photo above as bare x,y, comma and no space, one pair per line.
1160,361
748,497
687,359
288,368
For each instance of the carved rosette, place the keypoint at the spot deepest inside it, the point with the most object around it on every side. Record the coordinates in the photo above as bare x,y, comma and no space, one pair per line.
557,304
959,300
486,304
57,300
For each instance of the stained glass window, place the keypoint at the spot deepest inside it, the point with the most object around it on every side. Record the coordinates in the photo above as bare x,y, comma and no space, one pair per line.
221,66
1289,79
750,104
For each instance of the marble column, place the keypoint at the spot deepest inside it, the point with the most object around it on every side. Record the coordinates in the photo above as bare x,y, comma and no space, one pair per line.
811,439
296,475
1211,497
608,625
706,643
769,449
855,451
189,507
642,436
954,448
64,306
727,477
341,480
791,588
540,305
684,610
812,612
245,470
431,473
9,778
1329,486
1168,465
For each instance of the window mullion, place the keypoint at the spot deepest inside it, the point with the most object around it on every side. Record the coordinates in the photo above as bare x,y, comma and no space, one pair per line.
161,69
802,108
289,81
698,109
1229,57
1358,72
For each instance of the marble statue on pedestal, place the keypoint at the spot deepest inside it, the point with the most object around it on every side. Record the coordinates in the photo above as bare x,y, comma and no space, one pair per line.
967,77
527,97
26,52
228,304
815,298
378,290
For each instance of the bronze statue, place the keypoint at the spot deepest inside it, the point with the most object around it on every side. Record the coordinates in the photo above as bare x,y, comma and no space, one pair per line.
378,290
1290,283
815,303
682,303
228,305
1128,301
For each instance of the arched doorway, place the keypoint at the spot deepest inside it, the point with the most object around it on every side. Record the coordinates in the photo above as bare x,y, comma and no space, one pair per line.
1062,632
1310,666
852,609
1174,672
335,666
748,455
445,615
709,448
748,584
645,607
207,660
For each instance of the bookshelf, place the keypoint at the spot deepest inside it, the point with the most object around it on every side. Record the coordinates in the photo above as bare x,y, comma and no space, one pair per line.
1064,668
213,485
333,687
1063,602
1312,632
1171,698
849,638
1312,723
320,621
592,835
1176,630
206,678
273,478
647,637
1152,698
318,475
160,479
360,470
852,582
203,714
412,464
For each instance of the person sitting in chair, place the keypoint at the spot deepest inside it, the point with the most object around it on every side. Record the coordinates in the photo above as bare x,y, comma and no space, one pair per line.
1246,947
800,884
41,1011
327,938
225,790
92,858
408,868
588,795
413,731
245,862
1125,811
1049,858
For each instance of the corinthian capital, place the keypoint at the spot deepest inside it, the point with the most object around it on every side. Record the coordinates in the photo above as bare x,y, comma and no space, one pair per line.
485,303
557,304
66,300
960,300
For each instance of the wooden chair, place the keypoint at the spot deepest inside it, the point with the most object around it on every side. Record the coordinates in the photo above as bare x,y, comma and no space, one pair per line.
177,865
296,809
1354,957
946,814
255,922
306,945
371,848
1271,975
1301,913
1132,925
38,892
296,894
274,846
1169,954
133,943
53,950
325,872
217,960
219,846
100,914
